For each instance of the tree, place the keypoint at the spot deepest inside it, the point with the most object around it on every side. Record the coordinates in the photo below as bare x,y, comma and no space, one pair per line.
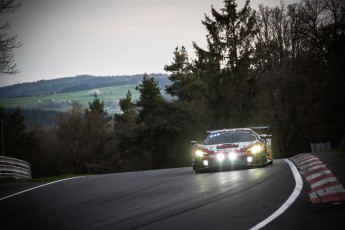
97,131
97,106
150,99
8,43
14,133
45,157
158,139
72,140
126,121
186,85
294,60
226,65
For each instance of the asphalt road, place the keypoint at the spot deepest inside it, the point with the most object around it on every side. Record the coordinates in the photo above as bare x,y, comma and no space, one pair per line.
158,199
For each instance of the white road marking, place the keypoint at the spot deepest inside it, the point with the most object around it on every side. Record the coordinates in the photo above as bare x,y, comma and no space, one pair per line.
289,201
38,187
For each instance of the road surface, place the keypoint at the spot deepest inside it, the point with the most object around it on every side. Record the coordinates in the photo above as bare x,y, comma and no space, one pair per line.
159,199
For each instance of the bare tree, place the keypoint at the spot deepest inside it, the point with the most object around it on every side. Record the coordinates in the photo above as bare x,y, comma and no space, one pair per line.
8,43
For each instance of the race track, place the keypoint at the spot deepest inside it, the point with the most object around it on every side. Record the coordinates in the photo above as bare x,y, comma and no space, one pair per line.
159,199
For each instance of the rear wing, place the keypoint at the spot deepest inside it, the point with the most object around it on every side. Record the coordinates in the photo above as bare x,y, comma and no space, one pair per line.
227,130
259,127
217,130
264,136
237,129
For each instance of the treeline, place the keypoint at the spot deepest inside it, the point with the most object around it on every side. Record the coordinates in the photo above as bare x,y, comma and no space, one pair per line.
149,134
280,66
36,117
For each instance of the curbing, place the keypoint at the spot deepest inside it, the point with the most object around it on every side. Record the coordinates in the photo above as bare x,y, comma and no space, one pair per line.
324,186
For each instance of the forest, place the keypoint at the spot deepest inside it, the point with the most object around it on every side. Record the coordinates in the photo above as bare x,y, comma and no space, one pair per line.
280,66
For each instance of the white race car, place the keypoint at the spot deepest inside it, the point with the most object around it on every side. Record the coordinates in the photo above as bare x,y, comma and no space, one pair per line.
230,147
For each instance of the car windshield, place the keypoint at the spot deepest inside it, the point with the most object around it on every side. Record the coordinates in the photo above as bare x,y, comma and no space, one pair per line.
229,137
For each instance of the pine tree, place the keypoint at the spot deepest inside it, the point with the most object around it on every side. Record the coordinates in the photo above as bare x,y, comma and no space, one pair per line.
226,65
187,86
150,99
126,121
97,105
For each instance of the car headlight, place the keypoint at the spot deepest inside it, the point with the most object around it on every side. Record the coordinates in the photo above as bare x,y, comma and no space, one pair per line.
232,156
199,153
256,149
220,156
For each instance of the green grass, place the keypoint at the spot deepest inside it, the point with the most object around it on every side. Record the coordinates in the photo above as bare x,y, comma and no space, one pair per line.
112,93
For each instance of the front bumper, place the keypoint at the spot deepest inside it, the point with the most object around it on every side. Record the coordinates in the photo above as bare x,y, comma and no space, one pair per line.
204,163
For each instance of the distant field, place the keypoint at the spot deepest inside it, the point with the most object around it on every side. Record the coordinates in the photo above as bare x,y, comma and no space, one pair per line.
63,101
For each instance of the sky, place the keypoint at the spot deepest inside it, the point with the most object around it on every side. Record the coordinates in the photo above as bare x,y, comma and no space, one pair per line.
66,38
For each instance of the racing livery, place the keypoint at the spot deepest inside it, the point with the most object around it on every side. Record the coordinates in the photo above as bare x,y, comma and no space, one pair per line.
229,147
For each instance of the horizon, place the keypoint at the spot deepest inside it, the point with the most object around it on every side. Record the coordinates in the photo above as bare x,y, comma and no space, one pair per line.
105,38
84,75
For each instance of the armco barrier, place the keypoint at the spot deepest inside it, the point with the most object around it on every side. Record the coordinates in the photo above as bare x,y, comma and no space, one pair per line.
319,147
12,167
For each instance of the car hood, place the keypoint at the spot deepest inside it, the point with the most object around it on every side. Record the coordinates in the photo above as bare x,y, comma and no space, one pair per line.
233,147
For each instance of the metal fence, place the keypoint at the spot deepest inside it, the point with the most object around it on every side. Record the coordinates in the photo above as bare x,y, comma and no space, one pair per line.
15,168
320,147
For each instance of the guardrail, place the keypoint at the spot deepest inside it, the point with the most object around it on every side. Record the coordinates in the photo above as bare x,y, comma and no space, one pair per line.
319,147
12,167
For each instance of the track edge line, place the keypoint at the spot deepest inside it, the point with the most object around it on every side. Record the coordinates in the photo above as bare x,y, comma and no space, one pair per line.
289,201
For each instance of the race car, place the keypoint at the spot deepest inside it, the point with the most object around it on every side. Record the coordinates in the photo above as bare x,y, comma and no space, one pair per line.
231,147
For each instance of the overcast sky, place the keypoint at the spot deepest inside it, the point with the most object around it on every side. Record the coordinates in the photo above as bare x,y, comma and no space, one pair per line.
64,38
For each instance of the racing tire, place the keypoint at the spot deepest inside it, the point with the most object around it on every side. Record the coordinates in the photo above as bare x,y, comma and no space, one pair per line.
198,171
261,163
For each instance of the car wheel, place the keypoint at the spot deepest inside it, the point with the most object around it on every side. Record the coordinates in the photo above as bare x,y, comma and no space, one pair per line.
198,171
262,163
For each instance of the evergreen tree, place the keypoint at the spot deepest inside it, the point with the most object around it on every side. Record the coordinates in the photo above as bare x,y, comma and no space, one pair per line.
126,121
186,85
226,65
150,99
97,105
126,103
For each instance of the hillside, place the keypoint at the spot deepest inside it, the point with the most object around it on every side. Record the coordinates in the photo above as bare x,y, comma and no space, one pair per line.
74,84
40,101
